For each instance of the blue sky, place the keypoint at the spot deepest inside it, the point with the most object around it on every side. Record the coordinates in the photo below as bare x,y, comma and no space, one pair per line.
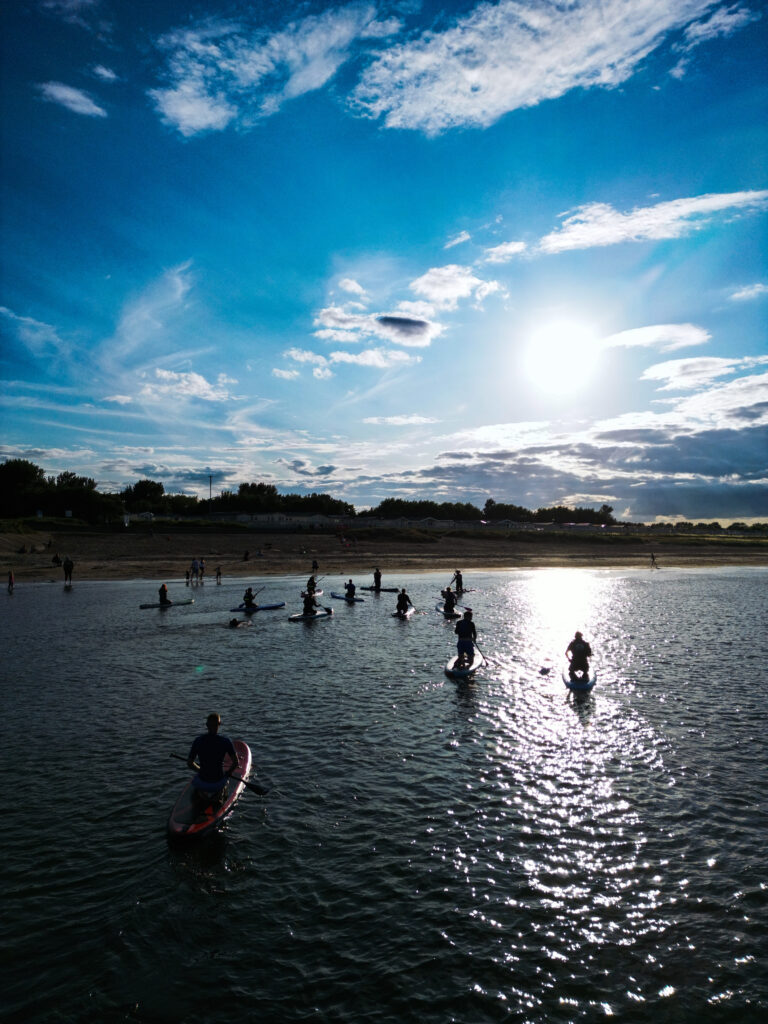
511,250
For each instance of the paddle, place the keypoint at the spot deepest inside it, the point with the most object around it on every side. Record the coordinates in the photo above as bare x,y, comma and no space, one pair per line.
235,778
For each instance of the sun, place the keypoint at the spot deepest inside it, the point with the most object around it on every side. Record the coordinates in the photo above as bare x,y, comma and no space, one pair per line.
559,356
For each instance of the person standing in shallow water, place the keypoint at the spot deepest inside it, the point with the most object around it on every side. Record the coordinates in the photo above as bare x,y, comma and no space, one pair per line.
69,565
11,581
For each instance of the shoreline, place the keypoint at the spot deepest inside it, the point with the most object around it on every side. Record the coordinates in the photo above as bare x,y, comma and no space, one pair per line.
159,557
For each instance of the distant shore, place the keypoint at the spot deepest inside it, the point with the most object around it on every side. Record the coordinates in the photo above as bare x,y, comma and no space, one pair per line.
155,555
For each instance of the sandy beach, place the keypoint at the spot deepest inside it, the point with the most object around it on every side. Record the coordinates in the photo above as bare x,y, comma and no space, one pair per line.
166,556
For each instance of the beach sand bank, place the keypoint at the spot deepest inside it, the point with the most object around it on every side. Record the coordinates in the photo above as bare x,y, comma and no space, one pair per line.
166,556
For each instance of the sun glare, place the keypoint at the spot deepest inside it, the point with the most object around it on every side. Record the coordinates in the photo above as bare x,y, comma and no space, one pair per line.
559,356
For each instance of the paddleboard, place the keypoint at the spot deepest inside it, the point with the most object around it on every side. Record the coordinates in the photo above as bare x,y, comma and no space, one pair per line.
349,600
250,609
463,673
447,615
170,604
403,615
192,816
579,685
382,590
321,613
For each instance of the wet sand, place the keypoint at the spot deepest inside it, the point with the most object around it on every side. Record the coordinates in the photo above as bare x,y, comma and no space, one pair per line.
166,556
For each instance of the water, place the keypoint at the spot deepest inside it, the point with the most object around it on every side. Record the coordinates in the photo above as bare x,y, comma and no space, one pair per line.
492,851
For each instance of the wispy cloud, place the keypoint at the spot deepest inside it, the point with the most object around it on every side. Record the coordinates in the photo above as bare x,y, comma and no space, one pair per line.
40,338
400,421
666,337
285,374
505,56
220,72
722,22
463,236
104,73
445,286
168,383
691,374
76,100
380,359
598,224
504,253
748,292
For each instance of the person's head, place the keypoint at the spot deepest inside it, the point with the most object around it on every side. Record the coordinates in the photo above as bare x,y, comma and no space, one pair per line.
233,623
577,635
213,721
468,613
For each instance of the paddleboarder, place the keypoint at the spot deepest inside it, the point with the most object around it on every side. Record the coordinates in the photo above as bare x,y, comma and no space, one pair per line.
249,598
403,602
310,604
450,601
311,586
467,633
377,578
459,582
349,590
210,749
163,593
577,652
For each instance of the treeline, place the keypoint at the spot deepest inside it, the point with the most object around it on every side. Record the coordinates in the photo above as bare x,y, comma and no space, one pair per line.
25,490
492,511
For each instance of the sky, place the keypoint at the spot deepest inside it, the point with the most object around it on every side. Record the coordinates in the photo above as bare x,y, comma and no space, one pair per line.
450,251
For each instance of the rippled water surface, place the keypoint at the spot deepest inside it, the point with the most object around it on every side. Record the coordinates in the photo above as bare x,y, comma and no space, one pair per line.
488,851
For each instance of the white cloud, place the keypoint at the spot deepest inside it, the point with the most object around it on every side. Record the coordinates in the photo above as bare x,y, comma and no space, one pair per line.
463,236
285,374
104,73
509,55
748,292
185,385
400,421
301,355
445,286
504,253
40,338
76,100
598,224
348,284
691,374
723,22
378,358
322,373
744,399
224,71
119,399
339,324
667,337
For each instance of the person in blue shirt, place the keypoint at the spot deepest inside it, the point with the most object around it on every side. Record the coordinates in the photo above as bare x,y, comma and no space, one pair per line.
207,754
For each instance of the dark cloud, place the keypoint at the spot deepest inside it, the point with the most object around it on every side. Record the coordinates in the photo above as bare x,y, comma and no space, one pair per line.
405,325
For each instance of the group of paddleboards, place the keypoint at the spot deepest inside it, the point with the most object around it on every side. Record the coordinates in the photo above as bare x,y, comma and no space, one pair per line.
211,795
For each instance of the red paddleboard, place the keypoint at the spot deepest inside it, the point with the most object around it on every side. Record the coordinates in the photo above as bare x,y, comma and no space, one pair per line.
192,816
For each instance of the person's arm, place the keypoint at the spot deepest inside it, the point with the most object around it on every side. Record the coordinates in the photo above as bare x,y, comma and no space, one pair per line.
192,754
